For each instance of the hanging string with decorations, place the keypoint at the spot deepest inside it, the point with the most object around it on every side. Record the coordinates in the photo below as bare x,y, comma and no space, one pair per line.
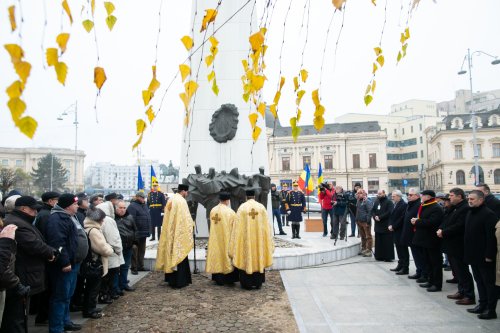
378,63
405,35
149,93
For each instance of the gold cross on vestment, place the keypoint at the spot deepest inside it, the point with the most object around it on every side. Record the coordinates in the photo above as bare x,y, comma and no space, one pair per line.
216,218
253,214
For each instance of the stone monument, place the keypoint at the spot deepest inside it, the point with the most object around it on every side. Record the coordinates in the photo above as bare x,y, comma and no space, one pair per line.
213,139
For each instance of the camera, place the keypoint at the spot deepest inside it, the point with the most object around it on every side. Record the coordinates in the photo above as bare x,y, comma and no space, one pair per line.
323,186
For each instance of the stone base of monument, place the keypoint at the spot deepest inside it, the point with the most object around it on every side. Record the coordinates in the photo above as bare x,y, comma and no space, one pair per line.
312,249
314,225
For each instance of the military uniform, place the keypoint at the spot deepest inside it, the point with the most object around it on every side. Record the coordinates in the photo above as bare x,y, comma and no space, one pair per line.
156,204
296,205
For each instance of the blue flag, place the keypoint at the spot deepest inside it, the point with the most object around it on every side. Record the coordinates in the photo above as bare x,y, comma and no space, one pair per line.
154,180
140,182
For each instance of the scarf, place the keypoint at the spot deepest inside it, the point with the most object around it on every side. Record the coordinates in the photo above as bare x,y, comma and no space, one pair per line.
427,203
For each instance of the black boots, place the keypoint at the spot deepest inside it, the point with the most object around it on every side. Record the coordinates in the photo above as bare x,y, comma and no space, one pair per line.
295,231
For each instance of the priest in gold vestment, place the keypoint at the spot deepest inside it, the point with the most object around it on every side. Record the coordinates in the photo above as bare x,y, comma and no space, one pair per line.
252,245
176,240
222,219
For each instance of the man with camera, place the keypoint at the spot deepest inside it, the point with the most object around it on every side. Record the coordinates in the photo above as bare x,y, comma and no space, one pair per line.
326,197
339,213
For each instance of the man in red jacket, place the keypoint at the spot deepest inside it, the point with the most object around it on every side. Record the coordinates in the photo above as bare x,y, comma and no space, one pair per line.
326,197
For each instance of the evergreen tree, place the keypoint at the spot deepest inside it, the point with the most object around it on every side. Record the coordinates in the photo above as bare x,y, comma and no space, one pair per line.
50,167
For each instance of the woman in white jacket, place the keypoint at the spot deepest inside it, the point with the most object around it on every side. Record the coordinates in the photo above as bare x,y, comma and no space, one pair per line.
112,235
99,246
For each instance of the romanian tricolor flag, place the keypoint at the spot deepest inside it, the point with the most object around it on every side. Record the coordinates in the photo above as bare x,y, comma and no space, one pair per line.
320,174
140,182
154,180
305,178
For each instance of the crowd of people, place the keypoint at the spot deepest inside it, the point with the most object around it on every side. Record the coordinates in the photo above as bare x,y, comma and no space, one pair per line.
463,227
67,253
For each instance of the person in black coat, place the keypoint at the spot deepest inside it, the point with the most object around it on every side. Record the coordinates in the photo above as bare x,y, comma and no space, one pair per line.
381,213
452,232
489,199
139,212
480,251
126,226
31,257
396,222
407,234
49,201
427,222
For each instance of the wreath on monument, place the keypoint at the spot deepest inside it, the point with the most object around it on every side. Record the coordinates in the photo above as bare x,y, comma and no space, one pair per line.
224,123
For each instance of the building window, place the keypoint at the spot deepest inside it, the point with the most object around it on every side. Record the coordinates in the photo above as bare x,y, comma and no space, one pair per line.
421,140
458,152
373,186
373,160
402,143
19,163
285,163
496,176
421,154
328,162
460,177
496,150
479,151
395,131
5,162
404,169
405,156
420,127
306,160
411,129
355,161
403,131
67,164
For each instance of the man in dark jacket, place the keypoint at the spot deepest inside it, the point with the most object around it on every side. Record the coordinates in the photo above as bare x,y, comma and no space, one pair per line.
489,199
417,252
339,213
126,226
32,255
275,204
139,211
49,201
452,232
363,221
83,206
8,279
427,222
480,251
381,213
64,232
396,221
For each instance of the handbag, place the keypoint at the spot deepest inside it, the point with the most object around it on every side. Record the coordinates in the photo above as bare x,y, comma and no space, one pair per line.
91,268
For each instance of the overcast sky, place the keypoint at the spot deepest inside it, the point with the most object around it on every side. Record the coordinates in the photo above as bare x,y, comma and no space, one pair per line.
440,35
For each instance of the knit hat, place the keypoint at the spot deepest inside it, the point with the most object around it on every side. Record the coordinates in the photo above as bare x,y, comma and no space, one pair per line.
111,196
66,200
27,201
141,194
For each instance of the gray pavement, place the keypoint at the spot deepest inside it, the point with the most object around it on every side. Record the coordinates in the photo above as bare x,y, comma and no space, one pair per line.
362,295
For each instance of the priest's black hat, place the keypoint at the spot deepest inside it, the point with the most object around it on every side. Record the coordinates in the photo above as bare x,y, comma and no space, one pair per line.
250,193
429,192
111,196
224,196
183,187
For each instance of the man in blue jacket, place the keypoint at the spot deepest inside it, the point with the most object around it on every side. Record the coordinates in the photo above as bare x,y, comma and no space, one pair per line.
65,233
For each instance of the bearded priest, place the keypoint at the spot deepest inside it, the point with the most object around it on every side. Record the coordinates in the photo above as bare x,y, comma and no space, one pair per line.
176,240
252,245
222,219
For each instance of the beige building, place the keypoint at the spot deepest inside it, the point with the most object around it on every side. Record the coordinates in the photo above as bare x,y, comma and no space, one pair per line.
406,142
451,153
483,101
27,159
349,153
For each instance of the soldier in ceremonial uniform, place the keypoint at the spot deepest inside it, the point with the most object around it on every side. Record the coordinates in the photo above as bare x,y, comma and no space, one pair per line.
284,194
156,204
295,206
222,219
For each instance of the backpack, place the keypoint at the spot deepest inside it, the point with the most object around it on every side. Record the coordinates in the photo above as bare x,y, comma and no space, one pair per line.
91,268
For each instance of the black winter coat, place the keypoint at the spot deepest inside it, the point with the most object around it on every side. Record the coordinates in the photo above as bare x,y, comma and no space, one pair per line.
396,220
62,232
141,217
32,251
453,228
479,240
8,278
427,225
126,227
408,233
382,208
363,211
42,217
493,204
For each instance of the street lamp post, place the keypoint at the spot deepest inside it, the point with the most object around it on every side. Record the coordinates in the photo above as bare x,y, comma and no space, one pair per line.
73,108
468,57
